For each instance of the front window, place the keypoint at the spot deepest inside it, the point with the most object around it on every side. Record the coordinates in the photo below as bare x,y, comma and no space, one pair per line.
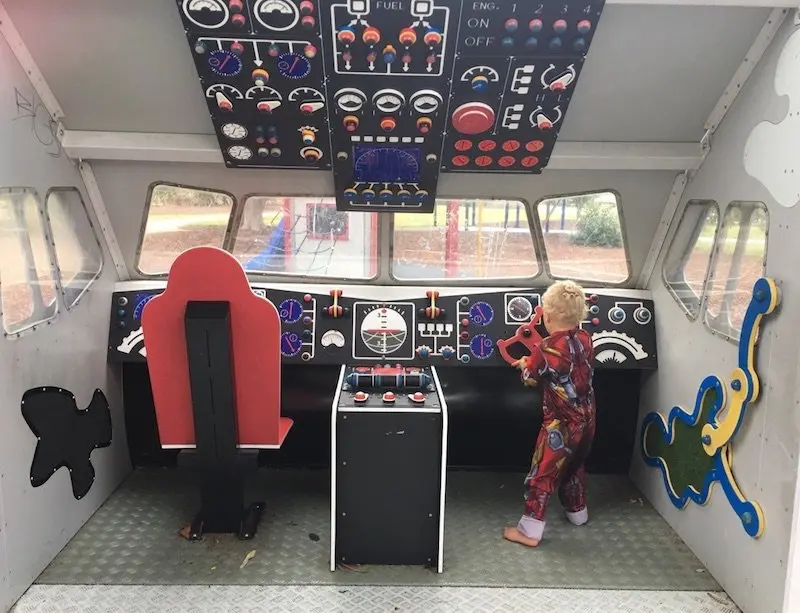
306,236
465,239
583,238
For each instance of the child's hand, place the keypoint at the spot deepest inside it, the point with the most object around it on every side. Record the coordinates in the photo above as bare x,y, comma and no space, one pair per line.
520,364
530,383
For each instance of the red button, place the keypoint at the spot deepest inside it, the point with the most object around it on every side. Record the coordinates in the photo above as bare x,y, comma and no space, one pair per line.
483,160
487,145
389,397
511,145
463,145
506,161
360,397
417,397
460,160
473,118
529,161
534,145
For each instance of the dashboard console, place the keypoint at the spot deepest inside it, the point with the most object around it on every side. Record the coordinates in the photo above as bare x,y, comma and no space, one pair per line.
429,328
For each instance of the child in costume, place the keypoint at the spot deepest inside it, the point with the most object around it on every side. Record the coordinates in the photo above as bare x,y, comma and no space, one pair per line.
563,364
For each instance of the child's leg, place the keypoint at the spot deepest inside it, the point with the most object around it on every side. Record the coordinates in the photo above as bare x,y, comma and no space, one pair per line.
553,446
572,491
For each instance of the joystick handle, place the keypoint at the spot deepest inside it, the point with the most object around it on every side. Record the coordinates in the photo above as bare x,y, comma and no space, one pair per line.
526,334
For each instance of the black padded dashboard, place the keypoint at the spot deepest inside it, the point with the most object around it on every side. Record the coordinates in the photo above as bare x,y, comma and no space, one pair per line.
366,331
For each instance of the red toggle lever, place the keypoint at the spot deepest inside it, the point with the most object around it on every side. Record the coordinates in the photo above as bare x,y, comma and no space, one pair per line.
526,334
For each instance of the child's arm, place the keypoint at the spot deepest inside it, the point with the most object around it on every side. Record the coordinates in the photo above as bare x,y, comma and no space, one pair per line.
532,366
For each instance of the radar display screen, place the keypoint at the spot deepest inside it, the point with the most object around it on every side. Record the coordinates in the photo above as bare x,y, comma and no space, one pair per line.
386,164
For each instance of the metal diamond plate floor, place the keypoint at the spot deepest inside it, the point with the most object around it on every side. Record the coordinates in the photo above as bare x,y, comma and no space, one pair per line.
133,539
359,599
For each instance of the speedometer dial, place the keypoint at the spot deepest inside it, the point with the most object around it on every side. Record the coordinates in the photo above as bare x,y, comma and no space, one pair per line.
350,100
388,100
426,101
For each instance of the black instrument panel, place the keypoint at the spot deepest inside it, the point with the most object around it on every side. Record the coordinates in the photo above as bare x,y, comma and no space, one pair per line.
326,329
389,93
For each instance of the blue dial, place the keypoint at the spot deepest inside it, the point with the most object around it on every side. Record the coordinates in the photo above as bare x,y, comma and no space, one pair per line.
481,346
293,66
481,314
290,344
224,63
290,311
386,165
141,300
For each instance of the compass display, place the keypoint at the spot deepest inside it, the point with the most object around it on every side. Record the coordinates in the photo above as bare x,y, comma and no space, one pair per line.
290,311
481,313
224,63
386,165
290,344
293,66
481,346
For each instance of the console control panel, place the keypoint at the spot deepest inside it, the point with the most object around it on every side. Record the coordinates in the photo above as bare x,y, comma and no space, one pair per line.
431,329
387,94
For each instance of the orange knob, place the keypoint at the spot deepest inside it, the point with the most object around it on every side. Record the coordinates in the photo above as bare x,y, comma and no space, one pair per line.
388,124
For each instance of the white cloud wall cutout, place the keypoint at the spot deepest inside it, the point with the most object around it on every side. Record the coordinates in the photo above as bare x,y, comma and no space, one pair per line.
772,152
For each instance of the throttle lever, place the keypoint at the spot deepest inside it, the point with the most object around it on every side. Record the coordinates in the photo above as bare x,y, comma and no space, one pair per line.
526,334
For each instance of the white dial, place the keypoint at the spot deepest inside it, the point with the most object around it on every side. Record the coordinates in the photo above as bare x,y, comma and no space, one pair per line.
350,100
238,152
234,131
426,101
388,100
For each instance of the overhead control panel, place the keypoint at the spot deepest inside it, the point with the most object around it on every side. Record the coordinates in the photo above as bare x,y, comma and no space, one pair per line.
428,330
389,93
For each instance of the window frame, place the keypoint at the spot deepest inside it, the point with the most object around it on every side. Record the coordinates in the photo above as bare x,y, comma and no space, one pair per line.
61,284
146,214
236,221
50,250
685,257
712,270
587,281
473,282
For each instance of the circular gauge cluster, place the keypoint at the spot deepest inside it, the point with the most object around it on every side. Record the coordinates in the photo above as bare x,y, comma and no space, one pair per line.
519,309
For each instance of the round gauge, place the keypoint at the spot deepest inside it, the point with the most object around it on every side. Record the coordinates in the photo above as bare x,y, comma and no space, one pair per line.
290,311
386,165
234,131
293,66
229,91
519,309
426,101
384,330
207,14
141,300
350,100
238,152
290,344
481,346
276,15
388,100
481,313
263,92
224,63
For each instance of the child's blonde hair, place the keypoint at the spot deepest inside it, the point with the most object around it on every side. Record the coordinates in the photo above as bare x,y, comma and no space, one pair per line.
566,302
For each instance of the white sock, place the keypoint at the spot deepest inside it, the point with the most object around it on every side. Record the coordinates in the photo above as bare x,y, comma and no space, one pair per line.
578,518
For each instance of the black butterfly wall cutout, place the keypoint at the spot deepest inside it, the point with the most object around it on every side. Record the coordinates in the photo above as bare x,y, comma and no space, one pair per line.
67,435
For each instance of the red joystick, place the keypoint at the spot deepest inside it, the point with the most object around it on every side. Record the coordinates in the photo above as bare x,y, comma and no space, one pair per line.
389,397
360,397
473,118
417,397
526,335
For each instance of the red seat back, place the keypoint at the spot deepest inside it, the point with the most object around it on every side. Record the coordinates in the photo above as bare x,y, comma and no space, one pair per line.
208,273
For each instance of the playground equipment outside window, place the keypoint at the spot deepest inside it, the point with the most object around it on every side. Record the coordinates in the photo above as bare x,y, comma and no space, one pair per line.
465,239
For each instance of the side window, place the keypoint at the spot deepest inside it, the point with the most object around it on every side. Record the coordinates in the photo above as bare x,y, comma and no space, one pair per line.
739,260
179,218
465,239
689,256
27,286
79,257
305,236
583,238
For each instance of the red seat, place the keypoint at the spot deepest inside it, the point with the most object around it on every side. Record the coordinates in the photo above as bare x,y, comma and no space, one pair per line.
211,274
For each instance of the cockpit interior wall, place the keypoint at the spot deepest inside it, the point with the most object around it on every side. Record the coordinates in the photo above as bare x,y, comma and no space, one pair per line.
766,449
65,349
